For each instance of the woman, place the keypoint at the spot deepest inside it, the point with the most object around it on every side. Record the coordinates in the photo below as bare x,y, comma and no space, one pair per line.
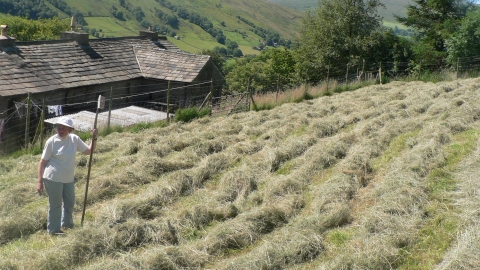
56,172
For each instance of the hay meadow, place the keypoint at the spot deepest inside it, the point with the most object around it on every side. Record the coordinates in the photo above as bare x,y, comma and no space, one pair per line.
383,177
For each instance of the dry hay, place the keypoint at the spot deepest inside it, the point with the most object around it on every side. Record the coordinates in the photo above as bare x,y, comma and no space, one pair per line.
261,189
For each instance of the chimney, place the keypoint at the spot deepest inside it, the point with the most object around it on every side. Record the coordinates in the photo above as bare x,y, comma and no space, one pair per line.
80,38
153,36
73,24
5,40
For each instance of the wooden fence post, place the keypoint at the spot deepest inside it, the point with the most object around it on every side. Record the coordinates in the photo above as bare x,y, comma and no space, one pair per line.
363,69
278,87
250,93
110,107
168,102
380,73
346,76
457,68
42,119
27,123
211,96
328,75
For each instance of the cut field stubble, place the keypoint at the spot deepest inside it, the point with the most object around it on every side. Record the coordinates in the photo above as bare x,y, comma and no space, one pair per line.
341,181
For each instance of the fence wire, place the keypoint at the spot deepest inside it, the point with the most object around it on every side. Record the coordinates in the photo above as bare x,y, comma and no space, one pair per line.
19,130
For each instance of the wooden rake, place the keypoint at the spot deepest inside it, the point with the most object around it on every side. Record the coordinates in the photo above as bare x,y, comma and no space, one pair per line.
100,106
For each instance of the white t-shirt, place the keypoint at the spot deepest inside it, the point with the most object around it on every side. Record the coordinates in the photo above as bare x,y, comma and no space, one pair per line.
60,154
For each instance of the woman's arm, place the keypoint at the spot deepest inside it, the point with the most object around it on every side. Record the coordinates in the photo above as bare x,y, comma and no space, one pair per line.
41,169
93,143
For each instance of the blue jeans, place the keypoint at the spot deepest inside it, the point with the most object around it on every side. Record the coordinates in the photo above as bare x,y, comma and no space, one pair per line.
59,194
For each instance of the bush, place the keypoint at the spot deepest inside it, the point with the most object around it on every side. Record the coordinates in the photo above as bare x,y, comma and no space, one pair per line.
188,114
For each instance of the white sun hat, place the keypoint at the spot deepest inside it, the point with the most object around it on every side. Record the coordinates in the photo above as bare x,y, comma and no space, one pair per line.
65,121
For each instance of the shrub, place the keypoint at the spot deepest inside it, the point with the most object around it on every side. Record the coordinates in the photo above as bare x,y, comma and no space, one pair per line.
188,114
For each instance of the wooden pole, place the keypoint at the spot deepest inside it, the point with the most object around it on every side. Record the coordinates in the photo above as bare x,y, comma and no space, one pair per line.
328,75
100,105
457,68
380,73
42,119
346,76
250,93
110,102
211,96
27,123
363,69
168,102
278,87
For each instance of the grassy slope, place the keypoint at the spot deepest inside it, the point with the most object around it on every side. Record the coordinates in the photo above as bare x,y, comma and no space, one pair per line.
262,13
381,177
392,7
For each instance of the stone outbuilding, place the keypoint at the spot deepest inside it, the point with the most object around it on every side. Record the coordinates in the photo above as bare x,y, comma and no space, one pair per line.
73,71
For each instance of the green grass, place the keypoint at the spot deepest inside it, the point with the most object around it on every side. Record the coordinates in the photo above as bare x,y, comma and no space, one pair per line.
188,114
436,236
395,147
193,38
110,27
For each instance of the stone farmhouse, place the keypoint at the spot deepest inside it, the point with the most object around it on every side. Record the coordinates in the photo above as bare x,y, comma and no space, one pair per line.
75,70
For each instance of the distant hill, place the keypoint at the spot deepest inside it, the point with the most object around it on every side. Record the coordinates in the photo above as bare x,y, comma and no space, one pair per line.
198,24
392,7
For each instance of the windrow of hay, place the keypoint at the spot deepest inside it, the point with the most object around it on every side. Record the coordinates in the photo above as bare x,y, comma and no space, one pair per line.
401,203
346,181
463,254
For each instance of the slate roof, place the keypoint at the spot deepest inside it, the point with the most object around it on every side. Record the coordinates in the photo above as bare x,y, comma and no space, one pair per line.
168,65
53,65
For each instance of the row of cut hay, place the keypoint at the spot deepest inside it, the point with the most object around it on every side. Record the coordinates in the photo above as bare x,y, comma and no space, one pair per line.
18,178
463,254
226,242
348,192
232,234
400,203
274,190
301,241
104,187
147,202
227,236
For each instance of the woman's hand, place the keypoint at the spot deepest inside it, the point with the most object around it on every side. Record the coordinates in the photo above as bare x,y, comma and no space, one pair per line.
40,186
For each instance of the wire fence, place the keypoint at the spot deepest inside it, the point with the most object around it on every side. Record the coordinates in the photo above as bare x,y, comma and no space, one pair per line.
22,123
26,120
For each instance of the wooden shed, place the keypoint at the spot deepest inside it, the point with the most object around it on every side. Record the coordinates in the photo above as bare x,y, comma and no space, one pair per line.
73,71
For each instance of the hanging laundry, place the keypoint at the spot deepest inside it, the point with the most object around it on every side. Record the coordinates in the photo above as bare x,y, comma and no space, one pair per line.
58,110
52,109
21,109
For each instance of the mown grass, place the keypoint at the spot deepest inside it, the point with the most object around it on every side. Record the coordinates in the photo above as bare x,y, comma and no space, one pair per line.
355,180
437,235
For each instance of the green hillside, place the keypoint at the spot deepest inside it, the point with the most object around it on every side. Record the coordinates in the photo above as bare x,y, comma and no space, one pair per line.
198,24
392,7
222,14
384,177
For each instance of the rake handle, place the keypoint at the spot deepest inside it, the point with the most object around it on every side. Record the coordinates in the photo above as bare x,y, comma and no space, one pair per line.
89,168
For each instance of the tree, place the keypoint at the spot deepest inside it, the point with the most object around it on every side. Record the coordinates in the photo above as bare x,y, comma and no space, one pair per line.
464,42
217,58
29,30
273,66
338,31
434,21
237,52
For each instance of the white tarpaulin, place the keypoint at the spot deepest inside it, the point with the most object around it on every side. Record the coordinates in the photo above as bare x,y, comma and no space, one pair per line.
83,121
